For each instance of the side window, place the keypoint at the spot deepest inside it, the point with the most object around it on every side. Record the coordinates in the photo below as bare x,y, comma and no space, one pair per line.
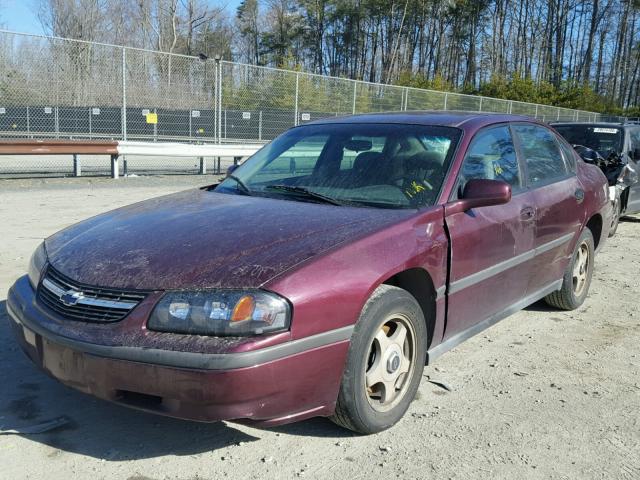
491,156
569,155
635,144
541,152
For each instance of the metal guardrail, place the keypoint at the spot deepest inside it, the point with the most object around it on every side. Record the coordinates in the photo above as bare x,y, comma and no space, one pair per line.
117,149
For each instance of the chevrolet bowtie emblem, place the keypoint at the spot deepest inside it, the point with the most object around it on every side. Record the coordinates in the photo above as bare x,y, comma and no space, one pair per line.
71,297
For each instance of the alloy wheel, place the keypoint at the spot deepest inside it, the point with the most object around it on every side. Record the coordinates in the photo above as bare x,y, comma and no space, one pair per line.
390,364
581,269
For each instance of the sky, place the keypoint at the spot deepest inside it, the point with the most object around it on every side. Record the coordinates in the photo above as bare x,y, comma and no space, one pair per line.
22,15
19,16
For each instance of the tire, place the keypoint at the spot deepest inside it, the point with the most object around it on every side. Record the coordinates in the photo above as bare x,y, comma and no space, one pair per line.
615,220
577,276
382,371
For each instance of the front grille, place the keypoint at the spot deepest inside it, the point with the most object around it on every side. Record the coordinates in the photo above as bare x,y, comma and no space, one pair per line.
77,301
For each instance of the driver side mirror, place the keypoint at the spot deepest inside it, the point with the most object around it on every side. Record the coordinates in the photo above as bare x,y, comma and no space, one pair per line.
480,193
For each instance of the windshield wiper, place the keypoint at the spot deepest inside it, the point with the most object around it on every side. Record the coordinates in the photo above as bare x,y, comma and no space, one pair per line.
241,185
305,192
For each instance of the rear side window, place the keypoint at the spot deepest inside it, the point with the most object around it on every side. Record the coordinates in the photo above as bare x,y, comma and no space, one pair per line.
491,156
569,155
542,154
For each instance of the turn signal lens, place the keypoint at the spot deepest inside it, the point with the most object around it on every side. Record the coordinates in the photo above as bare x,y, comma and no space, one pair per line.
243,310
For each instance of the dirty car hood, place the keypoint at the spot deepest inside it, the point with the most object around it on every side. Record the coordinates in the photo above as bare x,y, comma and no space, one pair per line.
200,239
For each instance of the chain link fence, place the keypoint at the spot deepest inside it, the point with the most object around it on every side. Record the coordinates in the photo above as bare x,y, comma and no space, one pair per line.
59,88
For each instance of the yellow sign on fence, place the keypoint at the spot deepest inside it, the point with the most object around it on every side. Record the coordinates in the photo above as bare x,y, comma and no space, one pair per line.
152,118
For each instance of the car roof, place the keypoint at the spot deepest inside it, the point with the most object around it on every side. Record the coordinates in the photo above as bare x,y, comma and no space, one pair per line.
594,124
432,118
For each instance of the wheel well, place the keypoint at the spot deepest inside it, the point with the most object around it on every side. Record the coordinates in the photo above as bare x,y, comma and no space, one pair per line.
418,283
595,225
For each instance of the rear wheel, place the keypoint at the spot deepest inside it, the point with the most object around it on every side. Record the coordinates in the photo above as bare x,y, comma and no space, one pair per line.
577,276
615,219
384,364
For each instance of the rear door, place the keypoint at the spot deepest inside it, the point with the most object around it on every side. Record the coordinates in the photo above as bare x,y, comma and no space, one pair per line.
490,246
558,196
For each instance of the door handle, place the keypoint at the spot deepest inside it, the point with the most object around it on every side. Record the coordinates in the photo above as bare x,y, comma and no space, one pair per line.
579,193
527,213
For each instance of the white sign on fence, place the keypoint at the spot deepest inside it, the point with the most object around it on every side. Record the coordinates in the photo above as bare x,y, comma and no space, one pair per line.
95,111
305,117
195,113
48,110
246,115
145,112
2,110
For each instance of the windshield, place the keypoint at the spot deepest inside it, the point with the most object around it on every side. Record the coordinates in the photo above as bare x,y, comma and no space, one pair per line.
375,165
602,139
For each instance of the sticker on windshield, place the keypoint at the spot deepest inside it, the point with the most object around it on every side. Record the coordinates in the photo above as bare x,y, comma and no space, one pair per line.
612,131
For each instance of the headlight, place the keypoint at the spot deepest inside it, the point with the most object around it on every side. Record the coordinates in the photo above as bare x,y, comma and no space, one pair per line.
36,265
220,313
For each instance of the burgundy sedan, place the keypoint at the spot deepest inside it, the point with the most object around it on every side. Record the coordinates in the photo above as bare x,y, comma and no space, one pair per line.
320,276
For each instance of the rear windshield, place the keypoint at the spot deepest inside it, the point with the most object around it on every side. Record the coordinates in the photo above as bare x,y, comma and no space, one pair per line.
603,139
372,165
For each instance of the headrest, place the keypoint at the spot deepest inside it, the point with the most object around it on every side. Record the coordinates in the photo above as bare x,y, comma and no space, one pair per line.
366,160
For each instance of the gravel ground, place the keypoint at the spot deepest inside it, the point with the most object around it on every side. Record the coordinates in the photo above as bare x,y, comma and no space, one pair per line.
544,394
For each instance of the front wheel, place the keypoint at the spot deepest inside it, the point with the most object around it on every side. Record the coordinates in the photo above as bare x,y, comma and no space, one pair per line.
577,276
384,364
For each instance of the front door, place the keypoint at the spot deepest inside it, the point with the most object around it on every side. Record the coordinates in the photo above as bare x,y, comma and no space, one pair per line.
491,246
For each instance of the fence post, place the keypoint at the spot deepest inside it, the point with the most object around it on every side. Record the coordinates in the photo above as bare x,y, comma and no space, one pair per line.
203,166
406,98
124,93
355,84
510,106
215,99
480,107
219,100
28,122
295,109
536,111
446,98
56,122
260,126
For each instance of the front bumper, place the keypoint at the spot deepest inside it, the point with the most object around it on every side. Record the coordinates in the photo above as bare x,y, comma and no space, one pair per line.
273,385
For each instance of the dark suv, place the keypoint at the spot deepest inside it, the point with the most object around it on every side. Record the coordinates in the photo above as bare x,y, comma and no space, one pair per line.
622,140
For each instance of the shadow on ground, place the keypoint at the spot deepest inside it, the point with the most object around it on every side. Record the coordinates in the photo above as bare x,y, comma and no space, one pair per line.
542,306
103,430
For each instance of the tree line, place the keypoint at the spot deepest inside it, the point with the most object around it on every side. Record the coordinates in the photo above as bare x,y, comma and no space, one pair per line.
582,54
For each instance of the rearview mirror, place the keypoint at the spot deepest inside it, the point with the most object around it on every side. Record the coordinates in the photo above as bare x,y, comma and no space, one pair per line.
358,145
480,193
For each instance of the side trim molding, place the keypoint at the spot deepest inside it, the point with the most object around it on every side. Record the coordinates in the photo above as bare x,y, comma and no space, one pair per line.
456,340
507,264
